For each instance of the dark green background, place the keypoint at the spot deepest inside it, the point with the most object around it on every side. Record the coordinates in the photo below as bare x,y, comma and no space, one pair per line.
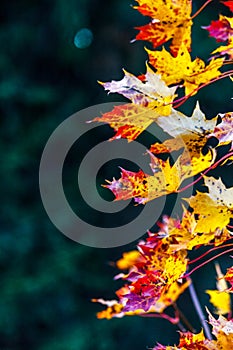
47,280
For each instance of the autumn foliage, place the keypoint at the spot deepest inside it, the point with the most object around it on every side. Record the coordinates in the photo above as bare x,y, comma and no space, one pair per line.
158,272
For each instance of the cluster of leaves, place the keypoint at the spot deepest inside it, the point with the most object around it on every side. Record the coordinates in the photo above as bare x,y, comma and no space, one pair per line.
156,273
222,329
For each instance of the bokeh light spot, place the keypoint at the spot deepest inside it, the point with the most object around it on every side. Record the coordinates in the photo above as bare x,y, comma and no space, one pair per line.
83,38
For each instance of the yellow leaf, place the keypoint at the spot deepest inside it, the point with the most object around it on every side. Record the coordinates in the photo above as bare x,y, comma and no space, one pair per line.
143,187
175,266
209,215
214,209
181,68
220,300
128,259
203,239
194,164
169,297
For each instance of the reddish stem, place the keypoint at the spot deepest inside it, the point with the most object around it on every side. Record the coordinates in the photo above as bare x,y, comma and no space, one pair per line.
184,320
209,251
184,98
206,171
227,62
206,262
201,8
173,320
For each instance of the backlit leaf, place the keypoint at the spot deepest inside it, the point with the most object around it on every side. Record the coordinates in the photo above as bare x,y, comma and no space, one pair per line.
170,20
221,29
182,70
213,210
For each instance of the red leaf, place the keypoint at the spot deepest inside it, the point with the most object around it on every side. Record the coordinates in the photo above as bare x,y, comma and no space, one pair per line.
221,29
229,4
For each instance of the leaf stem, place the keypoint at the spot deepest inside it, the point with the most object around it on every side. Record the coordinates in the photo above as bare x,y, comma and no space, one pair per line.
206,171
201,8
206,262
198,309
173,320
209,251
184,319
185,98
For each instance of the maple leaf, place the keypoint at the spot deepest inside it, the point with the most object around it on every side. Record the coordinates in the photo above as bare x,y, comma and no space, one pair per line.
152,92
229,278
229,4
169,296
192,156
220,297
128,120
191,134
220,300
129,259
223,331
224,130
188,341
221,324
175,266
150,281
170,20
213,209
221,29
181,68
183,235
151,99
224,50
145,291
188,132
150,285
178,124
166,179
114,309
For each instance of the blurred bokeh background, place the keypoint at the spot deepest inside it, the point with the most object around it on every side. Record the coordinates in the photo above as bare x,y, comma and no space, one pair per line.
49,68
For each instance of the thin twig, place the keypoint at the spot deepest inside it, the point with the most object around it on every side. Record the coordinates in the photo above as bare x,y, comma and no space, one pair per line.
198,309
173,320
184,319
209,251
206,262
213,166
183,99
201,8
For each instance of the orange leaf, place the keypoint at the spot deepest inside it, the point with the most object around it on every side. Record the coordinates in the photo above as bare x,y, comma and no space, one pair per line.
129,259
170,20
